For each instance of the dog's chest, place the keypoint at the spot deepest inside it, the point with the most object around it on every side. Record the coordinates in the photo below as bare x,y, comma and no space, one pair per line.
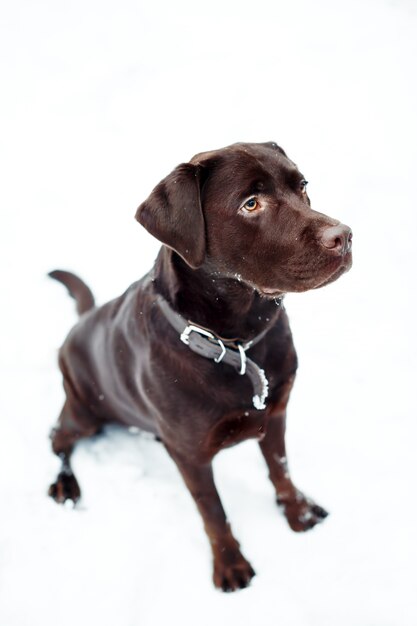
236,427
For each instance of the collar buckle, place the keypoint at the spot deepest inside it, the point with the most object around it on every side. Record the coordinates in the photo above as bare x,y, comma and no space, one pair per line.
192,328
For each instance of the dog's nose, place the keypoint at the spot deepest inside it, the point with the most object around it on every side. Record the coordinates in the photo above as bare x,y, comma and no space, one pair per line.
337,238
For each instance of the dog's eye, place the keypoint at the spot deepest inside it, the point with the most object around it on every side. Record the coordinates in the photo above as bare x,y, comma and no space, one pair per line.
251,205
303,185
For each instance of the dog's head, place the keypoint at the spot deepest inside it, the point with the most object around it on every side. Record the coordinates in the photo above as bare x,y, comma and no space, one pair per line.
244,211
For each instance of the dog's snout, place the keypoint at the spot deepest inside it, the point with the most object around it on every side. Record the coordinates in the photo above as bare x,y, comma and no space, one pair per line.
337,238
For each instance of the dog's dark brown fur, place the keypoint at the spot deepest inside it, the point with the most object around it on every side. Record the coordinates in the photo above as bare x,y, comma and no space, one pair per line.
238,233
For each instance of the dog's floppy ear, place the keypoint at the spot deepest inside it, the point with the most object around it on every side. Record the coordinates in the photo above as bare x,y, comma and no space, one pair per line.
173,214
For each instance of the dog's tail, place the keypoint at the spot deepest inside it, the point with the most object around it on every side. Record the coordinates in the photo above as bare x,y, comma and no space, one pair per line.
76,288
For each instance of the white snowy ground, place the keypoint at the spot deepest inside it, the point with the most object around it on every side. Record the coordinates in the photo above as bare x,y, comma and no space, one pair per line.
99,100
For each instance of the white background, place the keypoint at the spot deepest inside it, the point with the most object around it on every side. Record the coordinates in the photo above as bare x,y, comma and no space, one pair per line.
99,101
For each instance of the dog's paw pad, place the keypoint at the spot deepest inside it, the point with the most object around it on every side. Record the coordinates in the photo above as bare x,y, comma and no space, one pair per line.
319,511
65,489
302,513
233,577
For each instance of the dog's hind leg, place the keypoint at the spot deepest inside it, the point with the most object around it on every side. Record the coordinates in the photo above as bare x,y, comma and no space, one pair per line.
64,436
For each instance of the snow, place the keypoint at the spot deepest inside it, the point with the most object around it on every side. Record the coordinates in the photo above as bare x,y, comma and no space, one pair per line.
259,399
99,102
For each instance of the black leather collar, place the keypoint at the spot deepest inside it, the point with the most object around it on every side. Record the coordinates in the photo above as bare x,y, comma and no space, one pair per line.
206,343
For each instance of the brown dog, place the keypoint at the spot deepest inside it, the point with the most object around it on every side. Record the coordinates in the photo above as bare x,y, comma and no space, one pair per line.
199,351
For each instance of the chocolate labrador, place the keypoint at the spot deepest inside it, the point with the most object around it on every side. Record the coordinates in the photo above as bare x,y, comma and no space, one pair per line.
199,351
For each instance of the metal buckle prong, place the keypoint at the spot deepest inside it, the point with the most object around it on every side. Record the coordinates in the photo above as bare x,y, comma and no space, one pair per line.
223,351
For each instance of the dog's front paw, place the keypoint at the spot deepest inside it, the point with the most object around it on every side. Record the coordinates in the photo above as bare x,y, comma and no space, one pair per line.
232,571
65,488
301,512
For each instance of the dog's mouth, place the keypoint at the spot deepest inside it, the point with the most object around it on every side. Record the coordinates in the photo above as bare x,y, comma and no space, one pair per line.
270,293
344,267
338,267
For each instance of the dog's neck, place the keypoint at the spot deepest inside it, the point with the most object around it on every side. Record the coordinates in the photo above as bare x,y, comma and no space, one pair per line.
227,306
